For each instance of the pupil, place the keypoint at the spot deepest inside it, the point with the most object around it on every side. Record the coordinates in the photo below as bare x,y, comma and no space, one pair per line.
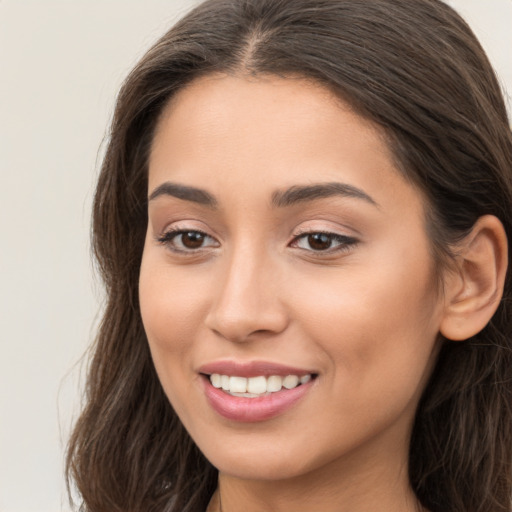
192,239
319,241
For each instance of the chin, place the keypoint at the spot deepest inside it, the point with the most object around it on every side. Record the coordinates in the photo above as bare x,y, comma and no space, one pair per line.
265,470
264,459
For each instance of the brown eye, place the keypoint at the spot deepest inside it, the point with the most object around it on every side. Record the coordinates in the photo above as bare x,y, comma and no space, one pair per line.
182,240
192,239
323,242
319,241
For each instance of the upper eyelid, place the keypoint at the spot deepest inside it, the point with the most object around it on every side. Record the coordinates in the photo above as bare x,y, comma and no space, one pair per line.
298,233
187,225
335,236
179,231
328,231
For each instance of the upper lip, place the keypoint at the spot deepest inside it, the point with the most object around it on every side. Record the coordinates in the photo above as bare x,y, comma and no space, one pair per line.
251,369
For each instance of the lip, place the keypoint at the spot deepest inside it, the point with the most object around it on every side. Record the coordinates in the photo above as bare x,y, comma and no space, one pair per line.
244,409
252,369
247,410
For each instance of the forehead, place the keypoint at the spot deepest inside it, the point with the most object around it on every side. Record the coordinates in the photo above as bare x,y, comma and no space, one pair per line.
265,132
279,105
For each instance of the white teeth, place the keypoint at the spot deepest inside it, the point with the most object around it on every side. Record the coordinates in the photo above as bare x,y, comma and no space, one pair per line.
238,384
274,383
290,381
256,386
305,378
216,380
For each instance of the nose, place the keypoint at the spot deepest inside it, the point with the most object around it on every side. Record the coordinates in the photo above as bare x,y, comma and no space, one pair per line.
247,301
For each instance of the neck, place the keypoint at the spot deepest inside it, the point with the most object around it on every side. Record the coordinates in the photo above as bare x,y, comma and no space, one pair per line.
281,497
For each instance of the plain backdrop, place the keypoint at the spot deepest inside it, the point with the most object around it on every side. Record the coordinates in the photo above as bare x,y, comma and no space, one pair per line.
61,64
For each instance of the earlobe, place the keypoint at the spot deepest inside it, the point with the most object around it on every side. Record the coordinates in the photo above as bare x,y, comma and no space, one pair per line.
474,290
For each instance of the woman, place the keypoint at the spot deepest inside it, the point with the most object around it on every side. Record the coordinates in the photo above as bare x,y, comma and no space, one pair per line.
302,222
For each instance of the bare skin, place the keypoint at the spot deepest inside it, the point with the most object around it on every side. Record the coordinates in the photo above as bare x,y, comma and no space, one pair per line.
341,285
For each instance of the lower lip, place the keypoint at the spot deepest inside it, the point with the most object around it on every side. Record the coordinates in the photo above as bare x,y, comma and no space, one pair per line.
248,410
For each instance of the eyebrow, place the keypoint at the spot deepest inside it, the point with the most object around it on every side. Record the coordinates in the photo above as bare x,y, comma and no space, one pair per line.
193,194
299,194
280,198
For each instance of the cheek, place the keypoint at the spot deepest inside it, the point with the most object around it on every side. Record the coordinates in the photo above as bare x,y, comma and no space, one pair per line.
171,308
377,324
171,305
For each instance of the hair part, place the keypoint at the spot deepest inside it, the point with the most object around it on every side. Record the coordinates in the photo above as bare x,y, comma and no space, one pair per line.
412,67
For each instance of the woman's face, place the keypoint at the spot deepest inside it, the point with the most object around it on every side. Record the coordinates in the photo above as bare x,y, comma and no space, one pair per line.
283,246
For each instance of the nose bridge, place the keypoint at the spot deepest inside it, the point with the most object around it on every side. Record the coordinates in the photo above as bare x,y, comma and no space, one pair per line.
247,299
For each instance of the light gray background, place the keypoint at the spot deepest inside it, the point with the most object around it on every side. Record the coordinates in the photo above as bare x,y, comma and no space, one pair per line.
61,63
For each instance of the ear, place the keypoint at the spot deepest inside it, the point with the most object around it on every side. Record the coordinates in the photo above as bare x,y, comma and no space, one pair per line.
473,291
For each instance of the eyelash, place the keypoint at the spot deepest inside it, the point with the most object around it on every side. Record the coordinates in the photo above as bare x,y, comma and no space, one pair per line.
169,237
344,242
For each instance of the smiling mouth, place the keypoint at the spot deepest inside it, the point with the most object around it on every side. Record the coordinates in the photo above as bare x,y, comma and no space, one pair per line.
254,387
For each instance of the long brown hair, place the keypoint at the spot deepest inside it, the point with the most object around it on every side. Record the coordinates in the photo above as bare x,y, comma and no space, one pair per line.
415,69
